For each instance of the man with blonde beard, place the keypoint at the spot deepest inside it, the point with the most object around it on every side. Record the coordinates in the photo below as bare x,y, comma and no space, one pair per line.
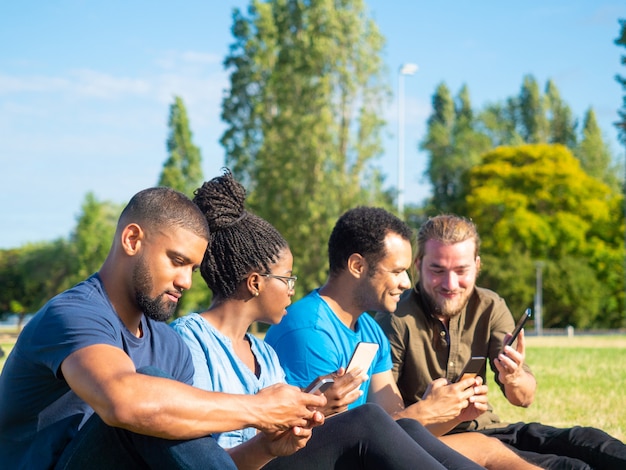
446,319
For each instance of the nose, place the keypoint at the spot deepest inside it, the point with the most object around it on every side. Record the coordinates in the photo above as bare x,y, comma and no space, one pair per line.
183,280
450,281
405,281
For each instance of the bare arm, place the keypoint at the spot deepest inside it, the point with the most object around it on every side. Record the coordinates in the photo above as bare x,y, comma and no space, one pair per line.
105,378
519,385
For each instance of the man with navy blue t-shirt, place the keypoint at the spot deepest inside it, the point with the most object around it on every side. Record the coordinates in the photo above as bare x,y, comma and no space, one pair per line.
98,380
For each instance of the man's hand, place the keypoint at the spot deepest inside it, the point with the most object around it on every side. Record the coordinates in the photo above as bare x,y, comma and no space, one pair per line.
287,442
284,407
444,401
519,385
343,391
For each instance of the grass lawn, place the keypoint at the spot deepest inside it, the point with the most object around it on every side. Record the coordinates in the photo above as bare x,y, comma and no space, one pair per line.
581,382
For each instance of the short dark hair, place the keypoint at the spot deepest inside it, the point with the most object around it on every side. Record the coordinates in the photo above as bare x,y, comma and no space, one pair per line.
363,230
241,242
161,208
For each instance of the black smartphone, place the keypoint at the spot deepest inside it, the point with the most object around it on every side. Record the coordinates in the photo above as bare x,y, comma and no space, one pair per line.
472,368
520,324
320,384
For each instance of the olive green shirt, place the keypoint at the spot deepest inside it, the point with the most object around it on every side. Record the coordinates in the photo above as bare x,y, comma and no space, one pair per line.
422,350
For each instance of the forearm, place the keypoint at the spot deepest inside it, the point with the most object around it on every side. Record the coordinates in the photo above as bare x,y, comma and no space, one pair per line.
251,455
173,410
521,392
438,425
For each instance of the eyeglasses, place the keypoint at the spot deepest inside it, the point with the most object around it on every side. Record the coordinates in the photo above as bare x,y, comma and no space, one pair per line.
289,280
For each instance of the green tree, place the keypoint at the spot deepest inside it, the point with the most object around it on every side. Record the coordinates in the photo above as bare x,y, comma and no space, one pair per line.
532,112
500,122
561,120
621,124
303,118
32,274
537,203
594,154
91,239
182,170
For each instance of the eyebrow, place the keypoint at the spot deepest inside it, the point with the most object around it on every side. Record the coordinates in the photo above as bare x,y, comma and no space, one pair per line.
461,266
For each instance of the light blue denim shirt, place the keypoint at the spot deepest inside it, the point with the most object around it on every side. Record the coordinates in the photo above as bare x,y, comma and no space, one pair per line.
219,369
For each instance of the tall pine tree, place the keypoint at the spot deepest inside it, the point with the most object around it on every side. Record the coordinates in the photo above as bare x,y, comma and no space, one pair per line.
303,117
182,170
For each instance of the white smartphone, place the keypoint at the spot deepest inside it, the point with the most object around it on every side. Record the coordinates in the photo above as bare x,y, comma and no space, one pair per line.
362,356
320,384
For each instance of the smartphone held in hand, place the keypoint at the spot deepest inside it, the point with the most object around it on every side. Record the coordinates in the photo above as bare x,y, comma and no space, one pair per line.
520,324
472,368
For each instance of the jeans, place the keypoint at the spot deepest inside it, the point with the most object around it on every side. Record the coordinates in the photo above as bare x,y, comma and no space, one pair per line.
367,438
562,448
100,446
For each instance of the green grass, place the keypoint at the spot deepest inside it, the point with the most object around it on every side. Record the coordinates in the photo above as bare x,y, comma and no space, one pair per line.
581,382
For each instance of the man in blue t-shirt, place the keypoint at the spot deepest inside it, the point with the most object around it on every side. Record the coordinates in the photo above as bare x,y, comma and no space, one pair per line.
98,380
369,253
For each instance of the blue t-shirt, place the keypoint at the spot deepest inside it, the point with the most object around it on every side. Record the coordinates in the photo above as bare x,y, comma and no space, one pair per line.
39,413
219,369
311,341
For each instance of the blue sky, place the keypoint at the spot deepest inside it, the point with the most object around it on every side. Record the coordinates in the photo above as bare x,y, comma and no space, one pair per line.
85,87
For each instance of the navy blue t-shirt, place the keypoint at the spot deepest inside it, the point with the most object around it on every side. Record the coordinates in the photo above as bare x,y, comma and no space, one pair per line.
39,413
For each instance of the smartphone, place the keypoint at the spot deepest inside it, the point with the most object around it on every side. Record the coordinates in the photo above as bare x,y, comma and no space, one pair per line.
320,384
362,356
472,368
518,327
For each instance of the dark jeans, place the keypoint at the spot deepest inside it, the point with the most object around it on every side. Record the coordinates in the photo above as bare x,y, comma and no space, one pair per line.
563,448
99,446
367,438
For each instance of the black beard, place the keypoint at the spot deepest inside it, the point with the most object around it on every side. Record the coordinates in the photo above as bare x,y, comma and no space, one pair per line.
153,307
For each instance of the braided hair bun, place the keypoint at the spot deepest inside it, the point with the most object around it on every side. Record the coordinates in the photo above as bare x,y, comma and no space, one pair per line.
241,242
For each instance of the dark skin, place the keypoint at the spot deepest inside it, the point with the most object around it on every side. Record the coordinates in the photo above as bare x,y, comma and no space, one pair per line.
105,377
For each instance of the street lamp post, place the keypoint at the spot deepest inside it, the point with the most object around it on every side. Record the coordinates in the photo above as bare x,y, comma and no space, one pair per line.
539,298
405,69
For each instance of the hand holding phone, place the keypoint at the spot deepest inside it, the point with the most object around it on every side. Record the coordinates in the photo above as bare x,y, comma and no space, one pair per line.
321,384
471,369
362,356
520,324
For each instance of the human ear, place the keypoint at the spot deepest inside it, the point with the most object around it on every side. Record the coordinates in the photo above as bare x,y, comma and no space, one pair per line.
356,264
131,238
253,284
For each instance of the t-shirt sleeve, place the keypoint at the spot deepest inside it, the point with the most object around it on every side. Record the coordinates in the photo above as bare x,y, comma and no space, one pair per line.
69,326
305,354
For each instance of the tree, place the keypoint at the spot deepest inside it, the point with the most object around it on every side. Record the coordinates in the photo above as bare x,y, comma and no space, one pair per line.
182,170
303,118
91,239
621,124
538,204
532,112
561,121
453,144
593,153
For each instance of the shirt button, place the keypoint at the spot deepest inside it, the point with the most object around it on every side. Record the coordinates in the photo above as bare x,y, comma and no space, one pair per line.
451,364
